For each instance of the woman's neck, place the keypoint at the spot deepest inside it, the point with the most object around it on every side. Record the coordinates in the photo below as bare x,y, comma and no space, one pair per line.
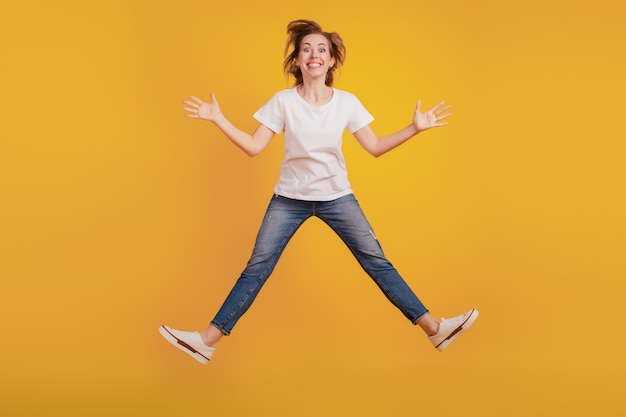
316,93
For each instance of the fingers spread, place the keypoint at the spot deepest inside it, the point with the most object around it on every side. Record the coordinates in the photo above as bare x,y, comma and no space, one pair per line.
442,110
436,106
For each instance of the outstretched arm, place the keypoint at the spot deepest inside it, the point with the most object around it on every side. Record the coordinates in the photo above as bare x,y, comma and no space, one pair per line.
421,121
251,144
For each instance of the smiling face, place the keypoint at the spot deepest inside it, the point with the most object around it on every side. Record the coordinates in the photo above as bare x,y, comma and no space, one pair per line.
314,57
311,52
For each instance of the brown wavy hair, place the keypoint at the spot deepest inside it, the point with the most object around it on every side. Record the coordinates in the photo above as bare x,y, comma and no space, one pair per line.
296,31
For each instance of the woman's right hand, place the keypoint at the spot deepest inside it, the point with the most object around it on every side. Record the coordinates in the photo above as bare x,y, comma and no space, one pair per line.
198,109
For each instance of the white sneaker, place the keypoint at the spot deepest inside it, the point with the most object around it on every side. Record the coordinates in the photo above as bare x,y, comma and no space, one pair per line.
189,342
450,329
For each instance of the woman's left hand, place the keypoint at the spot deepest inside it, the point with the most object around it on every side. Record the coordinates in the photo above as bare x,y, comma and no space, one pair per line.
431,118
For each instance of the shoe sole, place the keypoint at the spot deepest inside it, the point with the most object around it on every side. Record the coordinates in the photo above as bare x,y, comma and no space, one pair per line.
182,345
458,331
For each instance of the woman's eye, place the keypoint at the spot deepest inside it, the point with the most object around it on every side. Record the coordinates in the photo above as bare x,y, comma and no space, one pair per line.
322,50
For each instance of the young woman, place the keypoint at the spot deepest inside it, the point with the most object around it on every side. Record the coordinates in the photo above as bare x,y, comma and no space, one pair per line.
313,182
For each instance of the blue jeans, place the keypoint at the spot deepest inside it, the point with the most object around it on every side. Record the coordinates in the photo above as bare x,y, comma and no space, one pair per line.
344,215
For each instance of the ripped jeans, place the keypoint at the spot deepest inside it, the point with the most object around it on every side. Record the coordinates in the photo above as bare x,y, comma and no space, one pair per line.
344,215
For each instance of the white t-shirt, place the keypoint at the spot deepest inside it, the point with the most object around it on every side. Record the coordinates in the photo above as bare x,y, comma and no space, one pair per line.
313,167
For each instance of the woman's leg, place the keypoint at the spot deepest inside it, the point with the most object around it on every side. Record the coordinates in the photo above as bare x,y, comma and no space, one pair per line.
346,218
282,218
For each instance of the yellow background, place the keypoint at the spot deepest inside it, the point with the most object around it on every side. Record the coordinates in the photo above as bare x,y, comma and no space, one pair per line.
119,214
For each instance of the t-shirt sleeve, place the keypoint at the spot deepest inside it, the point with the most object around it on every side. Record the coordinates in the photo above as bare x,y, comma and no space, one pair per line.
271,115
360,116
